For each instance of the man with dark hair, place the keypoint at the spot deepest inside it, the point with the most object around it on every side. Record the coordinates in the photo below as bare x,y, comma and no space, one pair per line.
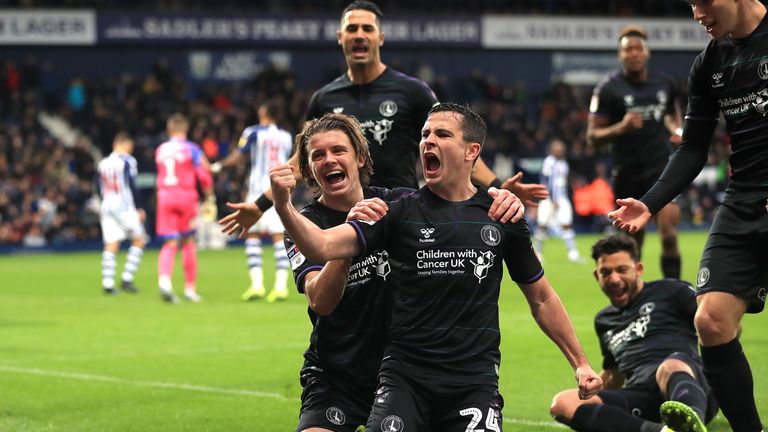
441,359
649,352
391,107
635,110
728,78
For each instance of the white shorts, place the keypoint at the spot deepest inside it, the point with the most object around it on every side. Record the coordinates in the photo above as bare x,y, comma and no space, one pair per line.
550,216
118,226
268,224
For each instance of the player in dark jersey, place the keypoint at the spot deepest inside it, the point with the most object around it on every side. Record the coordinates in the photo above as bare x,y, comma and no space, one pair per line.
440,365
349,307
649,352
728,78
635,110
391,107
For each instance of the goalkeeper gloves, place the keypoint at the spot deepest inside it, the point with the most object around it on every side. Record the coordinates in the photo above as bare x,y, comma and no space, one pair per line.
208,210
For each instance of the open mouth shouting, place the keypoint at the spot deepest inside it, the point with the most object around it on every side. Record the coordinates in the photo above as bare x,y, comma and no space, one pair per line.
431,164
334,178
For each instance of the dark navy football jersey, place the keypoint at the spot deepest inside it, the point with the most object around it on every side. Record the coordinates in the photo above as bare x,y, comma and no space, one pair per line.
446,260
731,77
349,341
657,323
392,110
645,149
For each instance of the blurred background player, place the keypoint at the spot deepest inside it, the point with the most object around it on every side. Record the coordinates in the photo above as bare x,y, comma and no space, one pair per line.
268,146
121,214
555,212
390,106
650,360
635,109
181,165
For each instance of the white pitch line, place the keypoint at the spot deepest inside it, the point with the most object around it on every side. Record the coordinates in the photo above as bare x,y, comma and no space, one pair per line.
538,424
205,389
142,383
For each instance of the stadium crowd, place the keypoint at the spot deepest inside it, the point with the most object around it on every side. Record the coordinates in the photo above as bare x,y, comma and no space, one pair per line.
46,175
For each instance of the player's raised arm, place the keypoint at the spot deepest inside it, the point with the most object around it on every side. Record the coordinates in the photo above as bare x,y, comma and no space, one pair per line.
550,315
315,243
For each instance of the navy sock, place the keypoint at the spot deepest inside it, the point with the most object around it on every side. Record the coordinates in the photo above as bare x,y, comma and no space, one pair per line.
730,377
684,388
608,418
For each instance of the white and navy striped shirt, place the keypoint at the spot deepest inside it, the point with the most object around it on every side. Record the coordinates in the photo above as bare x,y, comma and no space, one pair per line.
554,175
268,146
117,182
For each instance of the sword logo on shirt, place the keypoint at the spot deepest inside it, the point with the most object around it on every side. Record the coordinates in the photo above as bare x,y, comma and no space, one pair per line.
392,423
490,235
335,415
762,70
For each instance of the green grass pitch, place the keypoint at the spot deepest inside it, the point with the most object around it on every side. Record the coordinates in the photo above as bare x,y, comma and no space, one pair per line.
72,359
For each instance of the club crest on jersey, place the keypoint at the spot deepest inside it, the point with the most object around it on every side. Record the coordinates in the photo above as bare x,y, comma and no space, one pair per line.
647,308
382,265
426,235
335,415
703,277
762,69
490,235
388,108
392,423
717,80
483,264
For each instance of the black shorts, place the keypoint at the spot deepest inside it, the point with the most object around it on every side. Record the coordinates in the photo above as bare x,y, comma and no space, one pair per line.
408,403
634,182
333,403
735,258
642,397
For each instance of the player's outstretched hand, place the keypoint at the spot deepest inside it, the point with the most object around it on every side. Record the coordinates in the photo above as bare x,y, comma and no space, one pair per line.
370,209
242,219
283,183
506,206
631,216
589,382
529,193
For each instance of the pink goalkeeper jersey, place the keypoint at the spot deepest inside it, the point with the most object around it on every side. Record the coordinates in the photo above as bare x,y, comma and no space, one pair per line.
179,168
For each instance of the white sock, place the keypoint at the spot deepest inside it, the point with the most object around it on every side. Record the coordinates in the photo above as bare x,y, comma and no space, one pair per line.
281,281
164,282
108,265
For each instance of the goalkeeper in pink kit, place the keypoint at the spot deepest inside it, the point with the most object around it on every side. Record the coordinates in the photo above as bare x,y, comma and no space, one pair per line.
181,165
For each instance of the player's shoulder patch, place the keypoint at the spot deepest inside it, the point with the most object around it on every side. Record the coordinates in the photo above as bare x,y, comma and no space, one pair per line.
295,257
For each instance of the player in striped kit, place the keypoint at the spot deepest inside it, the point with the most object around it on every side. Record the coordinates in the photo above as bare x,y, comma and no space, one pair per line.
268,146
181,165
555,212
122,215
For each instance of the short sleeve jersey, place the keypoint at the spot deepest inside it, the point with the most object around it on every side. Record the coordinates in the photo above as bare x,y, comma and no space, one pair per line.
350,341
266,146
657,323
446,260
648,148
117,179
731,77
392,110
179,168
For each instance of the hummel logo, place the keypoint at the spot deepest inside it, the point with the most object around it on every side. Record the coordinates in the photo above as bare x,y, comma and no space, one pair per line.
426,232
